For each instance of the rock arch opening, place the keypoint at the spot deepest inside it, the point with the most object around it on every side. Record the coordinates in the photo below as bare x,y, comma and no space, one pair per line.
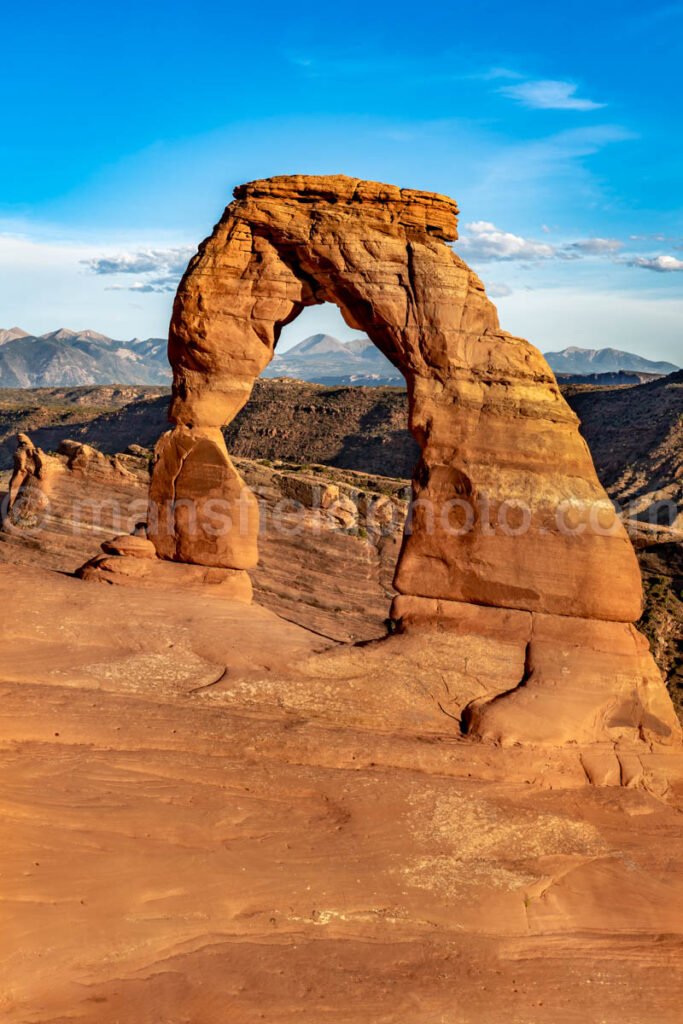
330,465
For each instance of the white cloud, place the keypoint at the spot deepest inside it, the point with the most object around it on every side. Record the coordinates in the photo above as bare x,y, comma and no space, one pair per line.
549,95
485,242
71,296
661,264
166,264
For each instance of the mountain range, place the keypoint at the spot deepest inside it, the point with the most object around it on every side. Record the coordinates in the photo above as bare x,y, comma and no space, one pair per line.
71,358
586,361
66,358
322,359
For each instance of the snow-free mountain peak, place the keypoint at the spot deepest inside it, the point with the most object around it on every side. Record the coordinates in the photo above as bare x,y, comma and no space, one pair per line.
603,360
317,344
71,358
11,334
67,357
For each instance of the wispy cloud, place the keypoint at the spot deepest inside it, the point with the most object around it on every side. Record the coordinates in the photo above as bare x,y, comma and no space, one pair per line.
496,73
498,290
549,94
660,264
595,246
657,237
160,268
548,167
160,285
484,242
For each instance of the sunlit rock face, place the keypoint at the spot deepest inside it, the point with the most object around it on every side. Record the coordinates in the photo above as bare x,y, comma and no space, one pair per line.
509,510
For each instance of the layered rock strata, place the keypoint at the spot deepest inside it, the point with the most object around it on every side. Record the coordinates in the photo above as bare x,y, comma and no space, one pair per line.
328,540
61,506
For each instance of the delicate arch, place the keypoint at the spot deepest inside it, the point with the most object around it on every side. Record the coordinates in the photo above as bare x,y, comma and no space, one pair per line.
484,407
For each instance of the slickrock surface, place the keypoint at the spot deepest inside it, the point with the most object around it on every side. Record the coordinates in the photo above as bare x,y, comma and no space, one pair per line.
207,816
323,568
71,502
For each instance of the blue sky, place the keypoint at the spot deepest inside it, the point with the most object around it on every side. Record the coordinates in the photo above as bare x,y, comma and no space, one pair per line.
556,127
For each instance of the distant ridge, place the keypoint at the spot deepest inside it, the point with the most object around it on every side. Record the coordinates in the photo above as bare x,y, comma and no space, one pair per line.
604,360
323,359
11,334
624,378
66,358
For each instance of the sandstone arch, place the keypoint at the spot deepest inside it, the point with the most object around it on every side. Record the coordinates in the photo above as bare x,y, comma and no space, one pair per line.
484,406
494,431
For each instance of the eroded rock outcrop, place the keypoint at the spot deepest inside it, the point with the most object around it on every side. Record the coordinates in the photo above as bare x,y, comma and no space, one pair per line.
59,505
508,512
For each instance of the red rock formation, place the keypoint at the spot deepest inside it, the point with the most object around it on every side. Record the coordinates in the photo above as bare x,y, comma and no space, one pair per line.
508,510
494,431
326,551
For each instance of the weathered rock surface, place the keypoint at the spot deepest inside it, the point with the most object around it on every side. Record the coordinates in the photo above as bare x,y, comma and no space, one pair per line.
139,570
328,547
484,406
200,509
549,684
130,544
64,506
634,433
210,814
